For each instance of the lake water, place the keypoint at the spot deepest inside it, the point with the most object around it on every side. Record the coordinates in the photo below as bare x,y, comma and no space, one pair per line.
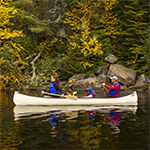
84,127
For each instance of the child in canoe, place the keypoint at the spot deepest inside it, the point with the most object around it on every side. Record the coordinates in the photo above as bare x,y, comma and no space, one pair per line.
70,92
91,93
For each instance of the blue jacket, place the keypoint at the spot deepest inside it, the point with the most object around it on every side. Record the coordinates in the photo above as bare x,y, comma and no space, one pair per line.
52,89
114,92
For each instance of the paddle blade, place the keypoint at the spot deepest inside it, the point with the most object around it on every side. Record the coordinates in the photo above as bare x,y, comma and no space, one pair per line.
74,93
71,97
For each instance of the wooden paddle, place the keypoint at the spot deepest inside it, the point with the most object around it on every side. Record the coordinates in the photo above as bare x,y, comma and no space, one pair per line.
106,89
66,96
74,93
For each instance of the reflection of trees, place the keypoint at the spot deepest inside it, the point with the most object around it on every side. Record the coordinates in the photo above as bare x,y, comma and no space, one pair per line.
113,143
89,137
8,129
134,130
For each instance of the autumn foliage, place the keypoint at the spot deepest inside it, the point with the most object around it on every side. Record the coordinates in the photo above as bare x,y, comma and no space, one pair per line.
80,34
10,48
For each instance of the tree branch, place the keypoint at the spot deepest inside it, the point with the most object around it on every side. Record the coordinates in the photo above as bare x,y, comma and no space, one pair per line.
27,58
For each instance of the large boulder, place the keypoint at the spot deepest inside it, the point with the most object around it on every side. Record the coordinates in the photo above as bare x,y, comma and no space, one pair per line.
143,79
83,84
92,75
142,83
125,76
75,78
78,76
63,83
110,59
102,70
102,78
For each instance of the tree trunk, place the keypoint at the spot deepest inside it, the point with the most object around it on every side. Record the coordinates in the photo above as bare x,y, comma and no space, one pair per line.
33,65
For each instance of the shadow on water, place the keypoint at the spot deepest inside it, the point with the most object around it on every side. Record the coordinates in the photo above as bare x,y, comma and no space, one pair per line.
74,127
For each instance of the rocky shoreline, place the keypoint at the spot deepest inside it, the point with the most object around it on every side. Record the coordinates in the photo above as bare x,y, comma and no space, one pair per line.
126,77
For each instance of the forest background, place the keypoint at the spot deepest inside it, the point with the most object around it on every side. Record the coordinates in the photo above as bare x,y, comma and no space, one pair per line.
40,38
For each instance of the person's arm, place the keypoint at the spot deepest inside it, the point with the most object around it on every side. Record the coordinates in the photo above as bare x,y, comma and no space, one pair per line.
115,87
58,88
87,94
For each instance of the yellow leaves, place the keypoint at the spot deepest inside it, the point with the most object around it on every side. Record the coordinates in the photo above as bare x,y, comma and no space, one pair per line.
74,45
82,13
55,39
47,44
83,42
109,21
6,13
1,60
7,35
8,39
2,84
91,47
108,4
85,64
68,14
10,77
93,41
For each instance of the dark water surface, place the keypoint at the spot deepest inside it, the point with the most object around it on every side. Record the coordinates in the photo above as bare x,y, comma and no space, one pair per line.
76,127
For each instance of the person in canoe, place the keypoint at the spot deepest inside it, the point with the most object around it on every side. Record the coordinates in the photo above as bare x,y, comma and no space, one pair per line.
91,93
54,87
69,92
115,87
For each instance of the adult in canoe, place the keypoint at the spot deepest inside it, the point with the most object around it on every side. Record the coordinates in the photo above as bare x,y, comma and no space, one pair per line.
91,93
115,87
54,87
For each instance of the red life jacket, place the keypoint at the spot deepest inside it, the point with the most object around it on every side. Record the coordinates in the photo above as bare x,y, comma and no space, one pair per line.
94,94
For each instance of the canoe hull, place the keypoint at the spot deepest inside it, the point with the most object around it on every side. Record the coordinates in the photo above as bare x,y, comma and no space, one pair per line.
22,99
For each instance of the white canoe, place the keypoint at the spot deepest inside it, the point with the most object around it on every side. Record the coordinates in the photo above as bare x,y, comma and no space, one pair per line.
23,99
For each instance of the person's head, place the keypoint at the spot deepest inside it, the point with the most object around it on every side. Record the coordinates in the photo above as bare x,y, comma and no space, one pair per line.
69,92
114,79
54,79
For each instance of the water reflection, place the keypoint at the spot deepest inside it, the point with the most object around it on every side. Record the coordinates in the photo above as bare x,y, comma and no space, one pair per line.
113,119
91,116
54,120
32,112
71,114
28,127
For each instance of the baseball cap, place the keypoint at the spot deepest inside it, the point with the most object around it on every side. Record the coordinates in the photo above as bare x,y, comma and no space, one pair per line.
114,77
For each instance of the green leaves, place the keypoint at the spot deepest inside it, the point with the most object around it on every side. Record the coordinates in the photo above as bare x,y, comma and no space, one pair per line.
48,66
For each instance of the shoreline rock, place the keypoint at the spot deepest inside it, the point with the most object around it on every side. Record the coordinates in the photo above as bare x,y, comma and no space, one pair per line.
142,83
126,77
